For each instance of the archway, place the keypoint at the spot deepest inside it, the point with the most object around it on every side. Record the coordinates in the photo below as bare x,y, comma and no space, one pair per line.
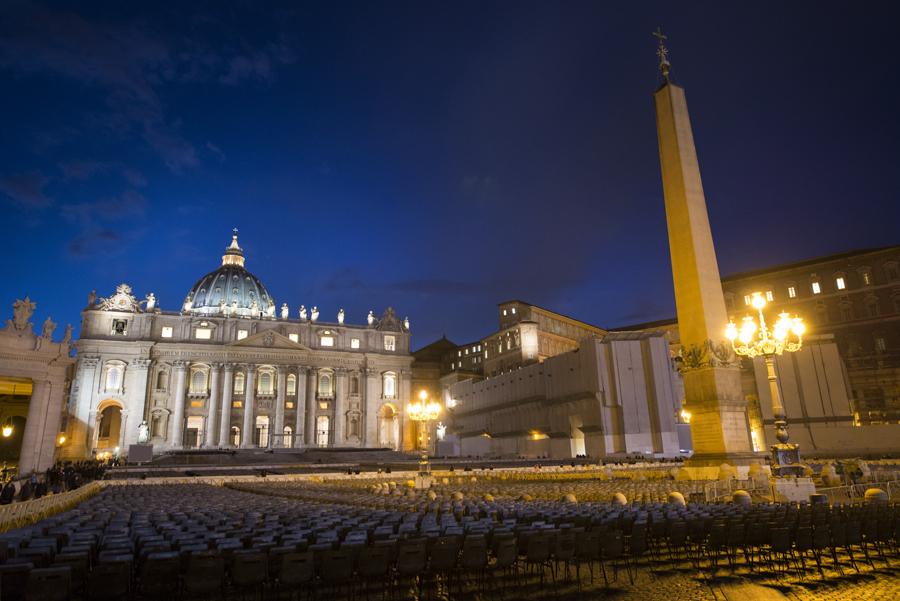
109,424
15,399
388,427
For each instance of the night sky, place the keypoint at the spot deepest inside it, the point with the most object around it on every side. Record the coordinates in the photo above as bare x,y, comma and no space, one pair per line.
437,157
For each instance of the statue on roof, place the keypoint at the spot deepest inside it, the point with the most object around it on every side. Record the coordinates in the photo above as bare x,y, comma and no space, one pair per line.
151,302
92,299
302,312
341,316
389,321
285,311
22,311
370,318
315,313
48,329
67,337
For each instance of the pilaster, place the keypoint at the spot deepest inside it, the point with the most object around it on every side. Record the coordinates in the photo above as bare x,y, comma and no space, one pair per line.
275,437
212,405
225,413
176,441
300,408
249,405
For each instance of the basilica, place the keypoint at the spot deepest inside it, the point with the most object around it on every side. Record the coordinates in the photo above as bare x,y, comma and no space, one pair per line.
230,369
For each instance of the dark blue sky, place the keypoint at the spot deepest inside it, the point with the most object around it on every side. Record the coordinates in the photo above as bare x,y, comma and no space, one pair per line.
437,157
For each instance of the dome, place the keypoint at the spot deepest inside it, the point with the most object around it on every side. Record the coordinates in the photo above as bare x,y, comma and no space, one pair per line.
230,289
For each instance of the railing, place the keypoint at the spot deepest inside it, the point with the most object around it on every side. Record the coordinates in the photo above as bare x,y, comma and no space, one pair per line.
23,513
855,493
717,490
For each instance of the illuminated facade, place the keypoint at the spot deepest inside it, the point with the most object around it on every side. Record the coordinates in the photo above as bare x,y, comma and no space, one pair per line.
232,369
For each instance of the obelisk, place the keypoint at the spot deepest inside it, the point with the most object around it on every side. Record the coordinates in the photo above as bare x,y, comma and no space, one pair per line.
712,382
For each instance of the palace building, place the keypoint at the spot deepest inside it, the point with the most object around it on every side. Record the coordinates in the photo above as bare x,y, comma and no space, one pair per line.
233,370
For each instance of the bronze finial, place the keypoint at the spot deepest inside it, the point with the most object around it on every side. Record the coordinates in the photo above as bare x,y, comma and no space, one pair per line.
663,53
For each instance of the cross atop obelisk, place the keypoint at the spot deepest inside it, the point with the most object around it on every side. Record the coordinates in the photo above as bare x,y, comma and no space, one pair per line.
662,52
712,381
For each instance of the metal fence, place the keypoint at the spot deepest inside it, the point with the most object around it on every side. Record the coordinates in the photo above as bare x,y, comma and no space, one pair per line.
856,493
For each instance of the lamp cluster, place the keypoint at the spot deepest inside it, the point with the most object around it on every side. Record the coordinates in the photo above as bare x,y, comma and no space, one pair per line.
423,410
752,339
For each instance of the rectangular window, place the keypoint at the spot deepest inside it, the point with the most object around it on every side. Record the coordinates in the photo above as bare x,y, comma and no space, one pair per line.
294,337
390,343
769,296
504,312
880,345
746,299
792,292
354,343
866,278
167,332
839,282
513,310
237,404
242,334
196,403
326,341
202,333
816,288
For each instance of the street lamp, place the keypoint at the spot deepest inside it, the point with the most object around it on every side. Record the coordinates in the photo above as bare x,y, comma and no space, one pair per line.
757,340
423,411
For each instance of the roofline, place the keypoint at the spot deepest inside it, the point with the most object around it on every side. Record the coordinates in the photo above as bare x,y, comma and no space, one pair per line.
546,310
647,325
804,262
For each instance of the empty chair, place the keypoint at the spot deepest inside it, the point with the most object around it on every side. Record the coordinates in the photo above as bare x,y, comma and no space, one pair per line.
204,574
158,576
49,584
249,571
110,579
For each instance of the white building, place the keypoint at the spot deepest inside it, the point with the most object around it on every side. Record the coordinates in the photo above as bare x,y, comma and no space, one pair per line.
614,395
232,369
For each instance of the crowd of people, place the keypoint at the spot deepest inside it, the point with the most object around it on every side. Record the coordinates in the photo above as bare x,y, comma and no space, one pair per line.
59,478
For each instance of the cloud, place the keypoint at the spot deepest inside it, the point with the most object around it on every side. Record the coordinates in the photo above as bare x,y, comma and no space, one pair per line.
94,243
132,63
26,189
81,170
89,215
216,151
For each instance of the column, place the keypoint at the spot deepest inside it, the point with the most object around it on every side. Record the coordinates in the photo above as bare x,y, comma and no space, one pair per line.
83,392
225,413
300,408
372,407
281,383
340,405
123,428
212,405
311,387
248,404
176,440
34,426
136,390
405,387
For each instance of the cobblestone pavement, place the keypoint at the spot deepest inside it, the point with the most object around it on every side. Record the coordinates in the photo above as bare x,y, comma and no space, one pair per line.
685,583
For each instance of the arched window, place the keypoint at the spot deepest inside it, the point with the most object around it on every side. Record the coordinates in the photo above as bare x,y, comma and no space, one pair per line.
291,385
354,384
162,380
264,386
389,385
288,439
198,381
114,377
325,385
239,383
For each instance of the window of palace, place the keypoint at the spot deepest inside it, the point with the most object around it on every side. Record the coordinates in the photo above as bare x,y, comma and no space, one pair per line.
326,341
816,288
513,310
202,333
198,381
880,344
747,299
354,343
839,283
119,327
792,292
891,270
294,337
846,312
114,377
241,334
264,384
504,312
292,384
239,383
167,332
325,385
872,307
389,385
390,343
770,296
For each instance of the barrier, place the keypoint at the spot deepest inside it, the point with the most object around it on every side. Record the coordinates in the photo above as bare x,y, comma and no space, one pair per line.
23,513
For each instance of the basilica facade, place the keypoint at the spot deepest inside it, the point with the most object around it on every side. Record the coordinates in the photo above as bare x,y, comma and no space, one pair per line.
231,369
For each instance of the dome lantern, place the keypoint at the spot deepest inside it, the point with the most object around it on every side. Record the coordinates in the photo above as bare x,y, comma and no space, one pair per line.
234,254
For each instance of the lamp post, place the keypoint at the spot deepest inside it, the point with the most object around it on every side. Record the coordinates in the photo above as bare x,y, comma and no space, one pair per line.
757,340
423,411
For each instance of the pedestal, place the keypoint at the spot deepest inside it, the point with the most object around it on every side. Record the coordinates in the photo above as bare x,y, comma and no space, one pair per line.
424,478
786,460
792,490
